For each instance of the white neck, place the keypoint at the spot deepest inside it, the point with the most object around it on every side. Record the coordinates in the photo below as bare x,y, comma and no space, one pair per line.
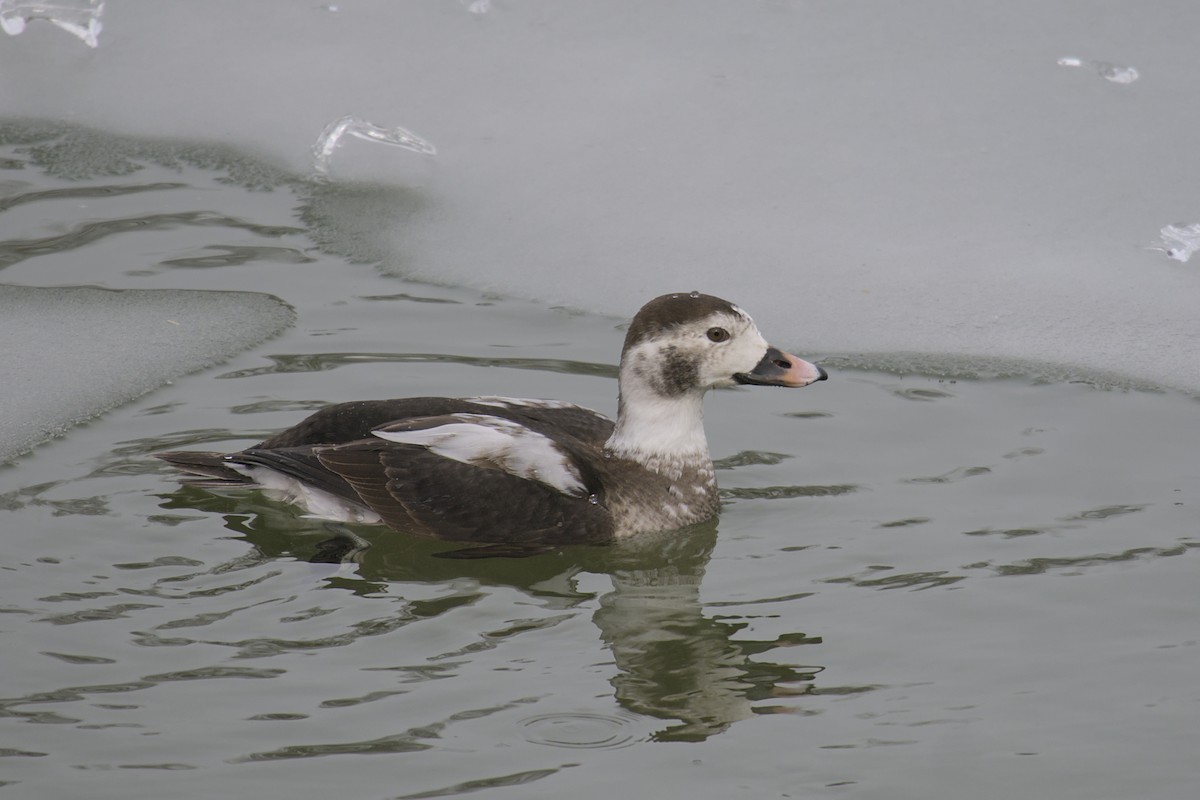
652,428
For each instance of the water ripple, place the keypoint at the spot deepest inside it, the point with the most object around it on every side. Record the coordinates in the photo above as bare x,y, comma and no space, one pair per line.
580,730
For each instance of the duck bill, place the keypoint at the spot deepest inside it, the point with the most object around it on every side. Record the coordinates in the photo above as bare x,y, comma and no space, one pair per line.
778,368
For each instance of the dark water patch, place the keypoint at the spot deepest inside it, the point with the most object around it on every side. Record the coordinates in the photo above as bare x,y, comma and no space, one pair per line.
787,492
322,362
273,406
517,627
214,591
146,639
10,752
214,673
843,691
199,620
411,298
1007,533
118,611
371,697
161,561
84,193
953,476
163,408
1075,565
19,498
1025,452
905,523
79,659
14,251
748,458
226,255
923,395
261,647
308,614
908,580
73,597
414,740
182,440
125,467
419,673
787,598
277,717
1105,512
482,784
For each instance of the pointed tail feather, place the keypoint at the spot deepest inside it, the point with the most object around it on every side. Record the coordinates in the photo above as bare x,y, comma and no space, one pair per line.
205,469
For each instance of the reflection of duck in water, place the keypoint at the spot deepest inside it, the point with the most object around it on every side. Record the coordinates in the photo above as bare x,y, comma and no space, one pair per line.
534,472
687,670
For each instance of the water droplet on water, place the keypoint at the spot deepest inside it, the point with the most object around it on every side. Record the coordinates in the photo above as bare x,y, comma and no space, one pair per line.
579,730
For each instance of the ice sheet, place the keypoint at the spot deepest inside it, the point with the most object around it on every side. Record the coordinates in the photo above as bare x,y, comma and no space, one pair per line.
71,353
866,176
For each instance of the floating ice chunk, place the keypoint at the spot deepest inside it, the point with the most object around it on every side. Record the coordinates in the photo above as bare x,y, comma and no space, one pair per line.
1116,73
1110,72
78,17
72,353
331,138
1179,241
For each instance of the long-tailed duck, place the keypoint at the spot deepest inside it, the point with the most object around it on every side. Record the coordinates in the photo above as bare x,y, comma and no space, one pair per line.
538,472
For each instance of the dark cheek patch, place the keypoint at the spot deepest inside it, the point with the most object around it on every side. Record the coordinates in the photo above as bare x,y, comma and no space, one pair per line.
679,373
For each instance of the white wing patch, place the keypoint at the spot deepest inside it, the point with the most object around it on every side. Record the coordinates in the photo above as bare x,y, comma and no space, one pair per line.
318,503
508,445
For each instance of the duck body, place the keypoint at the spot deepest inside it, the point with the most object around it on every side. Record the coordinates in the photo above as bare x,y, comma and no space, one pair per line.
522,471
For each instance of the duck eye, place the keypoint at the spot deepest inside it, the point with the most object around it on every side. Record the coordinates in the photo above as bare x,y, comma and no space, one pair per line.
718,335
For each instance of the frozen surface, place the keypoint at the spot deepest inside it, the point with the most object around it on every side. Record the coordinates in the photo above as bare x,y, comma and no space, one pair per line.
78,17
869,177
331,139
72,353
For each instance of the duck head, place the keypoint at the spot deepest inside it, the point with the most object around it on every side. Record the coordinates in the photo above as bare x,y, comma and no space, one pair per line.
684,343
677,348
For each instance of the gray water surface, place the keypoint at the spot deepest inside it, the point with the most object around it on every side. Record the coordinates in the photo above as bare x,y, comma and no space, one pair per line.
919,587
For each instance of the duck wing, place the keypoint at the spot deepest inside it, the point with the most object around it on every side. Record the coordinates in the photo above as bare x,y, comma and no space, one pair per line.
476,478
348,422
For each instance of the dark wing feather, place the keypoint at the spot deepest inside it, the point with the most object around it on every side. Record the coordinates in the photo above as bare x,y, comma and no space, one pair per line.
463,502
348,422
300,463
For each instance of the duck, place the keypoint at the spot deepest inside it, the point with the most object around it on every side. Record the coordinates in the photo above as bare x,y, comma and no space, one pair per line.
496,471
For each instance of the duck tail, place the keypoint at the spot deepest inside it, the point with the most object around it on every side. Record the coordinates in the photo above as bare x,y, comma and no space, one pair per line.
205,469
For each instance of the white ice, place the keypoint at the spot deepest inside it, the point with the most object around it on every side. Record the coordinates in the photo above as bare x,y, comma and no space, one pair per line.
864,177
80,18
72,353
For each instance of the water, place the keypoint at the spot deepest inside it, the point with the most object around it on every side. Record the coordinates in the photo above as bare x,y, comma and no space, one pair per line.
919,586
